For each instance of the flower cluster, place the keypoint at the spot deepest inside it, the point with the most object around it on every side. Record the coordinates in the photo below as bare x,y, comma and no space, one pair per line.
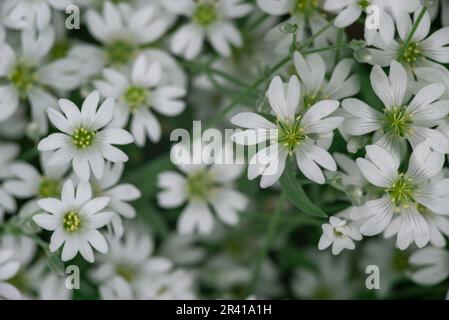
340,107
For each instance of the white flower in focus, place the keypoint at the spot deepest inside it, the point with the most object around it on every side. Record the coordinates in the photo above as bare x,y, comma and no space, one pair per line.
24,14
118,193
27,76
85,140
8,153
209,19
423,50
431,266
407,195
339,234
293,134
8,269
130,270
74,220
138,93
400,120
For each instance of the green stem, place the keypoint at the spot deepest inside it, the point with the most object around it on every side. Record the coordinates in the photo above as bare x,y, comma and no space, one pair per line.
259,81
412,32
335,46
247,92
226,76
267,243
310,40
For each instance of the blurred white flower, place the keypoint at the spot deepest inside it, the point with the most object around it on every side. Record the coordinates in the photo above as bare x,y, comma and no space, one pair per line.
202,186
74,220
400,121
431,266
25,14
309,19
8,268
85,140
408,194
29,77
434,74
327,278
130,271
339,234
422,50
137,92
123,30
292,134
211,20
27,182
8,153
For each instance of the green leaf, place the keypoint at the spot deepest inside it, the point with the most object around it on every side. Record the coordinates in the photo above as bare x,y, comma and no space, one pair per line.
295,193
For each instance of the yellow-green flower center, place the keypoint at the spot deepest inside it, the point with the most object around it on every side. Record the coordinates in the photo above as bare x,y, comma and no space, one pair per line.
126,272
401,191
305,7
49,188
83,138
363,4
290,135
23,77
200,185
412,53
71,222
136,97
120,52
398,121
205,14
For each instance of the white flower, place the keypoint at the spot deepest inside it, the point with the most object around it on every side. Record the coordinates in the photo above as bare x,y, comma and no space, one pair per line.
131,271
8,153
400,120
434,74
328,279
202,186
27,182
24,14
432,266
389,14
293,134
137,93
122,30
309,19
311,71
211,19
8,269
408,194
28,77
339,234
119,194
422,49
391,261
74,220
85,140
